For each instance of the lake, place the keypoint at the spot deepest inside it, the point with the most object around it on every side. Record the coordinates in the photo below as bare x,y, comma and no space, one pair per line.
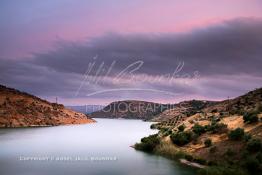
102,148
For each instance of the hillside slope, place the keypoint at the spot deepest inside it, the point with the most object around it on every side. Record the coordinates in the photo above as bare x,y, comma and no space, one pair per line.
131,109
19,109
225,137
182,110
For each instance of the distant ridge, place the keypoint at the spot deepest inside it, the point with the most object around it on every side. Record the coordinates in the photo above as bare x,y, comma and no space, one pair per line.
86,109
165,112
131,109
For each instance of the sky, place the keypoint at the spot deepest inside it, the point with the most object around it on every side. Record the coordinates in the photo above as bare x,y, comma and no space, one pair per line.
99,51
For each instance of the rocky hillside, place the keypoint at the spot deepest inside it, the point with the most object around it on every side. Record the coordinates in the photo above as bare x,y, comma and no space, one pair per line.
131,110
238,105
86,109
207,109
19,109
182,110
222,138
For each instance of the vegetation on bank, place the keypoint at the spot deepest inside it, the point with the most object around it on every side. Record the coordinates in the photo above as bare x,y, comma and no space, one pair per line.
224,137
247,161
148,144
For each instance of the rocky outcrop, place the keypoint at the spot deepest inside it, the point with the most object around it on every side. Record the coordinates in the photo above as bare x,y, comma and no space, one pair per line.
19,109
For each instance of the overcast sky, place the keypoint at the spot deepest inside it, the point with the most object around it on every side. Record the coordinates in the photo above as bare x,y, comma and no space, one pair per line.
98,51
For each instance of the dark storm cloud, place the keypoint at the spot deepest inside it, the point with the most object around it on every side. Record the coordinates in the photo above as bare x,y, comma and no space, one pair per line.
227,56
231,47
35,79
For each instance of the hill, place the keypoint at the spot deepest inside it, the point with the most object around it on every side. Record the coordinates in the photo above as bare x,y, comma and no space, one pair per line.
223,137
20,109
131,109
86,109
182,110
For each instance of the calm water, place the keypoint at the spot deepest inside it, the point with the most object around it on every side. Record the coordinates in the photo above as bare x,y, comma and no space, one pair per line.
102,148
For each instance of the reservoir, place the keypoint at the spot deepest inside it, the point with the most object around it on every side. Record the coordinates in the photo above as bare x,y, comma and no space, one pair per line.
102,148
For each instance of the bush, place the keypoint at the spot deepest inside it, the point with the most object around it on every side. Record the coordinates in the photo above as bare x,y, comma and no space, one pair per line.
198,129
195,138
229,152
211,163
250,117
213,170
168,132
258,107
259,157
254,145
217,128
252,165
213,149
162,130
181,138
236,134
200,161
148,144
181,128
247,137
214,111
153,126
189,157
208,142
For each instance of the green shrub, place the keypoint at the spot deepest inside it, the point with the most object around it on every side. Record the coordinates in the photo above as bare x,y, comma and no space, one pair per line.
211,163
214,111
153,126
236,134
250,117
247,137
258,107
208,142
229,152
198,129
195,138
162,130
168,132
252,165
181,138
189,157
217,128
259,157
245,154
200,161
213,149
181,128
213,170
254,145
148,144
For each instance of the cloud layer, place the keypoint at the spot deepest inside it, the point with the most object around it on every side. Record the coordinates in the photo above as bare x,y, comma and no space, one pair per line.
226,58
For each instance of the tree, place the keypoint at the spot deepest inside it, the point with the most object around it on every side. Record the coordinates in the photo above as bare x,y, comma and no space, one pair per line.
236,134
208,142
254,145
198,129
217,128
149,143
252,165
250,117
181,128
181,138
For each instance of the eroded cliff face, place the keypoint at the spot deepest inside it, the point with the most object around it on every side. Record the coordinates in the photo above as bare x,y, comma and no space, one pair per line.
19,109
